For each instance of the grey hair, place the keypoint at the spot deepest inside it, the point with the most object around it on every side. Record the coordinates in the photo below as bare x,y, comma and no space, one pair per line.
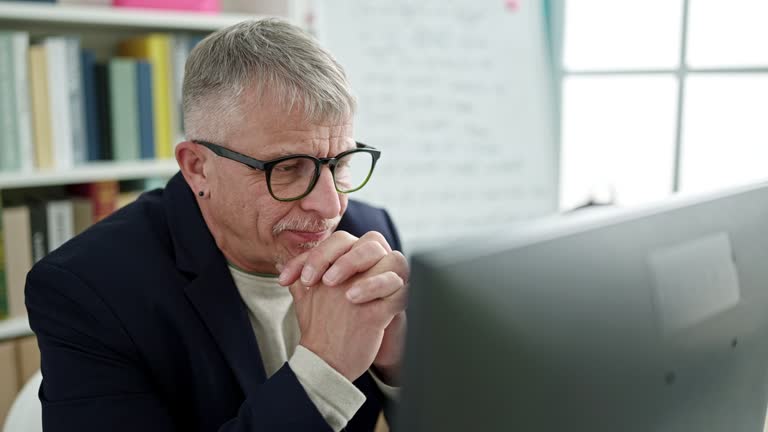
271,58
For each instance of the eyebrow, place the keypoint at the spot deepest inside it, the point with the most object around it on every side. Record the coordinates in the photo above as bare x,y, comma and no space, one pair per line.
274,153
285,151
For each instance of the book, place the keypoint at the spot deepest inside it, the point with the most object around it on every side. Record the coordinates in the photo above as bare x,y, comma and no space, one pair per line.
124,109
92,121
3,288
20,51
146,120
56,49
125,198
9,148
103,111
181,45
18,255
191,5
83,214
41,112
38,229
60,218
74,85
28,357
156,49
9,379
102,195
84,2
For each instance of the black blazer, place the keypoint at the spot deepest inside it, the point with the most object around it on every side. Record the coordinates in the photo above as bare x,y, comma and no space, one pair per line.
141,328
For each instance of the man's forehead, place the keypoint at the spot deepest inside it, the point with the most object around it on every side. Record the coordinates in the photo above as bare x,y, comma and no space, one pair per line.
314,140
268,129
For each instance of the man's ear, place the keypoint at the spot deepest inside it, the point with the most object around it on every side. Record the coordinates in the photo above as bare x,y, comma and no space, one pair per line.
192,161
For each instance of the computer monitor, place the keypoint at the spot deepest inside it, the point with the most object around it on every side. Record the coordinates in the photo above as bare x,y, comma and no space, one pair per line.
653,319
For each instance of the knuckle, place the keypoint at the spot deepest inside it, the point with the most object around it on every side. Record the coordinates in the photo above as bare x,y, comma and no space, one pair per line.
318,258
376,237
399,257
401,263
343,235
394,279
373,248
345,262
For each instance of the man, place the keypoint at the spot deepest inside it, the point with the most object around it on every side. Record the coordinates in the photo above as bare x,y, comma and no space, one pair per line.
169,314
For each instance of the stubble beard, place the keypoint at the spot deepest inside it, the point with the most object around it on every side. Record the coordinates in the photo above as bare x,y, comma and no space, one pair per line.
282,258
303,224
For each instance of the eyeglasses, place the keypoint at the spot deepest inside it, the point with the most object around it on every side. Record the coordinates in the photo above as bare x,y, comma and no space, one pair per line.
291,178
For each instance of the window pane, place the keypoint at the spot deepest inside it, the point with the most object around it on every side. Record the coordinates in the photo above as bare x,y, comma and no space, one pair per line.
724,131
727,33
618,138
622,34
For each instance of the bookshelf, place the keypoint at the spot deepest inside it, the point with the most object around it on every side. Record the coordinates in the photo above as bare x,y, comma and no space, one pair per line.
90,172
100,28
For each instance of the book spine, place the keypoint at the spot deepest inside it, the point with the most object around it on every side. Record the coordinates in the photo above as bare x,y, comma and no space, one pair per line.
103,111
76,101
162,45
61,224
146,122
3,285
124,108
191,5
58,93
104,199
18,256
21,86
9,148
93,134
83,214
38,225
41,117
181,47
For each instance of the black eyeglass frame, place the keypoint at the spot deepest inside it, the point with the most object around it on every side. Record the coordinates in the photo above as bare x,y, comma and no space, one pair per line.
267,166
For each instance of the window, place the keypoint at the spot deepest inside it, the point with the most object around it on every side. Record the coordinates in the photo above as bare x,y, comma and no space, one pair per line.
662,96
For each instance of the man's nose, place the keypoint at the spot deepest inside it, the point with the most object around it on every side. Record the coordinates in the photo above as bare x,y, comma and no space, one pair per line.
324,198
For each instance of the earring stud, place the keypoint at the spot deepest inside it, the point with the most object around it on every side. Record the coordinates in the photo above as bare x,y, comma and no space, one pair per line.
201,193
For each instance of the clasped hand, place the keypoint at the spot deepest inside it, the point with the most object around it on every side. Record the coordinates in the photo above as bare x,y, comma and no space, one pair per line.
350,297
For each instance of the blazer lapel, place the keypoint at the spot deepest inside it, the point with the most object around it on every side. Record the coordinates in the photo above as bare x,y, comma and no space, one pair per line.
212,291
214,295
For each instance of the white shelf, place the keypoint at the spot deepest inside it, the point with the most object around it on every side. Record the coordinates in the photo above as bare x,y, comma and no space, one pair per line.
90,172
14,328
105,16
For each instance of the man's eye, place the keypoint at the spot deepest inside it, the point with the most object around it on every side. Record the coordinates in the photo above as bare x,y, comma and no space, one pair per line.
287,168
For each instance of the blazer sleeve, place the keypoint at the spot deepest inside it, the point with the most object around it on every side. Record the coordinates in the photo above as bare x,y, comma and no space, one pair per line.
94,378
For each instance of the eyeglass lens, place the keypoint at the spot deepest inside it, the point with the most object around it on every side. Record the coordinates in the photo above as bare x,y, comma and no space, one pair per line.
292,178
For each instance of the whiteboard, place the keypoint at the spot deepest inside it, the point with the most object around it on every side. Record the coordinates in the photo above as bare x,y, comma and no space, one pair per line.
458,95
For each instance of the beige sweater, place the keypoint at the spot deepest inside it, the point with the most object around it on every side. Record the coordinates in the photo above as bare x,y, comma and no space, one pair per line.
270,308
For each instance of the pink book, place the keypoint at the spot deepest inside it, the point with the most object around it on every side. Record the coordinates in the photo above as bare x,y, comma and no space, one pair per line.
192,5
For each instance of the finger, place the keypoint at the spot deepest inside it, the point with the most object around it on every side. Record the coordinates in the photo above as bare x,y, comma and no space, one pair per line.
311,265
360,258
323,255
376,237
290,271
394,261
376,287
